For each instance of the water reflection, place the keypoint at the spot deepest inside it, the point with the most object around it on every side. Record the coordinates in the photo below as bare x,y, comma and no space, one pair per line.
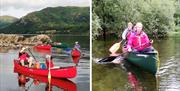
25,83
122,77
169,72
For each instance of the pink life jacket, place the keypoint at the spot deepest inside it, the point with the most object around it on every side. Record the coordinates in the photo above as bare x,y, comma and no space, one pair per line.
139,41
130,34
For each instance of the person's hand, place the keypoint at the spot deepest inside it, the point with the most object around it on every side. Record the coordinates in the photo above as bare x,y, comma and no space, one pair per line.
129,50
27,47
151,41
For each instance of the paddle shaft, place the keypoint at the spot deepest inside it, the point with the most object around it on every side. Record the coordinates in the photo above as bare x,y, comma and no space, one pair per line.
122,54
49,76
32,55
29,86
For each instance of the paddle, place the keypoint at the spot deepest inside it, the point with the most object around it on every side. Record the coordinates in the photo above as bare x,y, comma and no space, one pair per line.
120,57
49,76
113,49
34,58
29,86
32,54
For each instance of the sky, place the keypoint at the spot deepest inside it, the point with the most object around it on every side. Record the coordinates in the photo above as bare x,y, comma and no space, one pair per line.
19,8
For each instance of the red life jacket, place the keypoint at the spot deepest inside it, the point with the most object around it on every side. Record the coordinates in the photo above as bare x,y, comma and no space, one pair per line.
23,56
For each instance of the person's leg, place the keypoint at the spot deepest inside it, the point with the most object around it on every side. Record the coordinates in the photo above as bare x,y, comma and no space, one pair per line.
30,60
22,62
148,49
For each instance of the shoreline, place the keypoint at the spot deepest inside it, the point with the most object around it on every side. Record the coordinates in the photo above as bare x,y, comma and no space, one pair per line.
15,41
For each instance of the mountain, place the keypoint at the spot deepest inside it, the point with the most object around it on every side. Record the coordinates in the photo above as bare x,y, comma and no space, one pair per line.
66,20
7,20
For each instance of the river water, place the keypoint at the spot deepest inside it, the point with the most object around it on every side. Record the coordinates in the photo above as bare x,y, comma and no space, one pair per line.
9,79
112,77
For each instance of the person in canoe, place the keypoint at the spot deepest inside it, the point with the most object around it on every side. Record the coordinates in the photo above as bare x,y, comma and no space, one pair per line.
49,61
77,45
139,42
24,57
127,31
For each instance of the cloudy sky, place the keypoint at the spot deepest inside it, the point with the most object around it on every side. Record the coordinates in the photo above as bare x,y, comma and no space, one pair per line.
19,8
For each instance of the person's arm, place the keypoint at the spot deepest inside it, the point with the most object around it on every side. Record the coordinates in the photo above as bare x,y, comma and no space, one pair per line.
129,44
147,41
146,38
27,55
20,54
124,34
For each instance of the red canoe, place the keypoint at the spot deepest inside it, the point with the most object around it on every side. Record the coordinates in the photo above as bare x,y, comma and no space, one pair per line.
45,47
75,53
65,72
64,84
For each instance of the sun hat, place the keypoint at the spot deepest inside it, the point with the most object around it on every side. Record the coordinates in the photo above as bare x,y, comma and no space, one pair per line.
23,49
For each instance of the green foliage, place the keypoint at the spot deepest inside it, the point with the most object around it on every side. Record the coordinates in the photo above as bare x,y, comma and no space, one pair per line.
177,13
156,15
96,26
6,21
62,19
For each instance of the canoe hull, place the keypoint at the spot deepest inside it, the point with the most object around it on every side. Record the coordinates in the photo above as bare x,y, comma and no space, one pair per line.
44,47
68,72
146,61
62,45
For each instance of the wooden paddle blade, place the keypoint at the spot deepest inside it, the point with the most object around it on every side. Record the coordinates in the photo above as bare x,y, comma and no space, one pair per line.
114,48
49,77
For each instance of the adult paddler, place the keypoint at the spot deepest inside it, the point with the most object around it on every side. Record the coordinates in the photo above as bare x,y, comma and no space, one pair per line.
140,41
24,57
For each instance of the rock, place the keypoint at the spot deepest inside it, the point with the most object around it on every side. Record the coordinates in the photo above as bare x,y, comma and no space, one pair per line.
11,40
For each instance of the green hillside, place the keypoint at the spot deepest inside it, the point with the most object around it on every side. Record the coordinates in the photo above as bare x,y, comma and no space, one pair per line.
6,21
62,20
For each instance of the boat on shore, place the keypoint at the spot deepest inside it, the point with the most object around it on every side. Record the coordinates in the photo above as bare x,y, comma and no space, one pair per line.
60,45
44,47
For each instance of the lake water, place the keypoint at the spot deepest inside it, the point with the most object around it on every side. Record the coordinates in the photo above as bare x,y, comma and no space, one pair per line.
112,77
9,79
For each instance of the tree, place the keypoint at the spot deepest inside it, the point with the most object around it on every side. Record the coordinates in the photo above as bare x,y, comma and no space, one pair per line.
156,16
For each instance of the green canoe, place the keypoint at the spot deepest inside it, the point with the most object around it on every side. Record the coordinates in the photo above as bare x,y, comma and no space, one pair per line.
61,45
146,61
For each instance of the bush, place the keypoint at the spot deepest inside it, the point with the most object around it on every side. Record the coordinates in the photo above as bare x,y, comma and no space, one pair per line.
156,16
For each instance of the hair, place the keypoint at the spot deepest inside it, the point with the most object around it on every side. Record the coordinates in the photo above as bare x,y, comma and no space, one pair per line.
139,23
130,23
